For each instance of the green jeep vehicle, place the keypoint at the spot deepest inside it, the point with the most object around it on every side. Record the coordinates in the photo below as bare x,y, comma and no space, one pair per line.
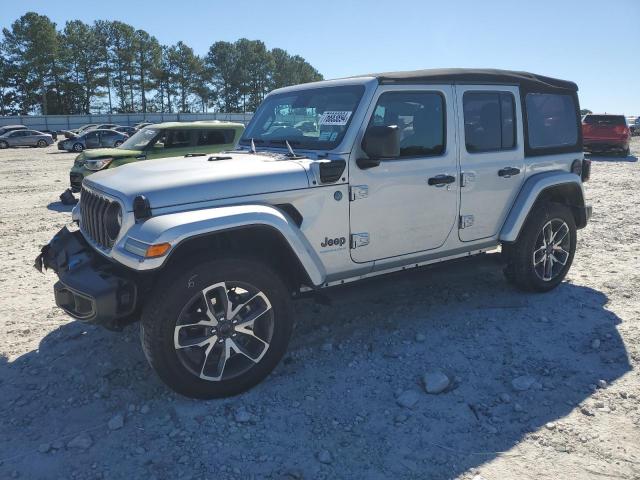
170,139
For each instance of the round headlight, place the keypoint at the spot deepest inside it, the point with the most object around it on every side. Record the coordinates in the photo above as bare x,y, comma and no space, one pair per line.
113,221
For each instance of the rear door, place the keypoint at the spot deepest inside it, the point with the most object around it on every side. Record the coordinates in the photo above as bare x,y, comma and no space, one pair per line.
409,204
491,157
214,140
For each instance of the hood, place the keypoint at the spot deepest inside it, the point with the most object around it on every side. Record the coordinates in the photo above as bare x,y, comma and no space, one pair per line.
108,152
179,180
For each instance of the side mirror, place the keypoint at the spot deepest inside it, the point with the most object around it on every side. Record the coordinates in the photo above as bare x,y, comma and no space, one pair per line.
379,142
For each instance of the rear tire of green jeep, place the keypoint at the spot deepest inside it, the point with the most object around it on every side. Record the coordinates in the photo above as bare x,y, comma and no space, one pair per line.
218,328
541,257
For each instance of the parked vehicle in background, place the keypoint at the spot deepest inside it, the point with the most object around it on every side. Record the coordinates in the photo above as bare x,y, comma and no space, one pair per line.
634,127
208,252
126,130
141,125
93,139
53,134
159,141
605,133
78,131
25,138
9,128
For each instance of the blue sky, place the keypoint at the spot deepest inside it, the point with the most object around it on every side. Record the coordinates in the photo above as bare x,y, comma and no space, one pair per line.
594,43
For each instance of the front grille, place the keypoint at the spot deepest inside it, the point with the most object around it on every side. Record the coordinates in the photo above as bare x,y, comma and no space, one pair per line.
93,221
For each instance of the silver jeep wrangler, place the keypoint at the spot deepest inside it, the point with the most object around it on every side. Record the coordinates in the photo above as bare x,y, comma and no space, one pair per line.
332,182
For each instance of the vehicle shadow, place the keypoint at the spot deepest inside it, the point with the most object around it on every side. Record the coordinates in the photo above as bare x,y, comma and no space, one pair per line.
59,207
611,158
336,389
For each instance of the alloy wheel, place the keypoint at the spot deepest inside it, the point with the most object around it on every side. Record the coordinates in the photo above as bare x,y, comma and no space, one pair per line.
224,331
551,251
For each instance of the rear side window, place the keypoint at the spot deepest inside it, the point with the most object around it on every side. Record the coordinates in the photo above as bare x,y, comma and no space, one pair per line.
215,137
605,120
489,121
176,138
551,120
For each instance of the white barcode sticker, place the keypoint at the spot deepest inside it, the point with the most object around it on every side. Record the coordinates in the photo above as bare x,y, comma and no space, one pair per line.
334,117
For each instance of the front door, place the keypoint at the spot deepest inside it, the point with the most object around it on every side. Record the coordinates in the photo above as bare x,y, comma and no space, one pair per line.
92,139
408,204
491,157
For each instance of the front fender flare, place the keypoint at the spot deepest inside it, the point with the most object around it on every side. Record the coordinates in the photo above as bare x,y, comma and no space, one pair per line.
529,194
174,228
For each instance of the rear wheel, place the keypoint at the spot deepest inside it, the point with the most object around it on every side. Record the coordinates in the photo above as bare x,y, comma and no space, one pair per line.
77,147
541,257
3,144
42,143
117,144
218,328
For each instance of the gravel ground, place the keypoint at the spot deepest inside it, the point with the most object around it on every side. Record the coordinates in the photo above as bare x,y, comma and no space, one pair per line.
539,386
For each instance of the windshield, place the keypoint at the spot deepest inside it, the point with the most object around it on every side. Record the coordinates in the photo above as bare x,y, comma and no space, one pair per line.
312,119
140,139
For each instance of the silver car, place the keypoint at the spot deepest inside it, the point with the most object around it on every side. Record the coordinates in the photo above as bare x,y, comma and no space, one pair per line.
93,139
25,138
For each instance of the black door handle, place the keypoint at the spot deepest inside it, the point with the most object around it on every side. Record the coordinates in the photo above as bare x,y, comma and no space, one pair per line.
440,180
508,172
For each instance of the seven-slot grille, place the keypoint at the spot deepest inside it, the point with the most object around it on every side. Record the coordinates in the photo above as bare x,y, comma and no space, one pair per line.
93,219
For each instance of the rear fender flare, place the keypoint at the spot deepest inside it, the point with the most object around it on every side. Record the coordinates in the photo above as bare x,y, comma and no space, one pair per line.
536,187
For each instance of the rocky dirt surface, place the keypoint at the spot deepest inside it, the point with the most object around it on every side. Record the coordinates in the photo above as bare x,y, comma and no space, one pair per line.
530,386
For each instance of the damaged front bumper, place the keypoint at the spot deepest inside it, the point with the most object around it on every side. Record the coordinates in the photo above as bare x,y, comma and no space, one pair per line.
90,288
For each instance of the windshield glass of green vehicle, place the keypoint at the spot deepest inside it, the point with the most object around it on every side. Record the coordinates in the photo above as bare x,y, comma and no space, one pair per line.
140,140
314,119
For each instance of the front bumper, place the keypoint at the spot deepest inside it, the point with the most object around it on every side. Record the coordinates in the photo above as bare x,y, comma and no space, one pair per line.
90,288
605,145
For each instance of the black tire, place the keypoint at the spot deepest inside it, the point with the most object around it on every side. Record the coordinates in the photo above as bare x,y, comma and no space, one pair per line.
77,147
117,144
42,143
520,269
174,298
3,144
627,152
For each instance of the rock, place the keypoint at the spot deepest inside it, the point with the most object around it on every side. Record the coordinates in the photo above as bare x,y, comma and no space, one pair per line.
595,344
522,383
408,399
420,337
435,382
242,416
44,447
599,404
116,423
550,426
324,456
602,383
82,441
587,411
505,398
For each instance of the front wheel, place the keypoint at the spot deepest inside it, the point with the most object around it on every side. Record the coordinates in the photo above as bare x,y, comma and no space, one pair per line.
541,257
78,147
117,144
218,328
42,143
3,144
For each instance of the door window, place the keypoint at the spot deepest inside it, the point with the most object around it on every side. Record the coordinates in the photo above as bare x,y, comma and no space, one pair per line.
489,121
215,137
419,116
172,139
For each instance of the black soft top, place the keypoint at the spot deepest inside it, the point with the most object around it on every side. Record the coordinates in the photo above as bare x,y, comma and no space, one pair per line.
529,81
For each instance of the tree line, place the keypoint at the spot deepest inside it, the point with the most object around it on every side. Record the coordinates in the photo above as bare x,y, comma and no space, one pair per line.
111,67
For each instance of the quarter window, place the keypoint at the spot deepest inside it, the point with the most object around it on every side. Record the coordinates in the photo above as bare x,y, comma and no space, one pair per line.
419,116
489,121
552,120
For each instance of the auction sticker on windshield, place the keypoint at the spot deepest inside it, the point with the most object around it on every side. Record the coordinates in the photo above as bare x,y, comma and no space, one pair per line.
334,117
